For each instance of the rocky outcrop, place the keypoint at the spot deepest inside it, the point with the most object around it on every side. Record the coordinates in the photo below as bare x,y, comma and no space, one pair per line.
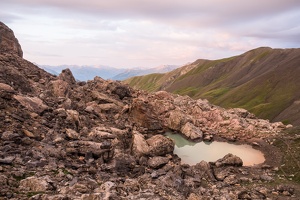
62,139
8,42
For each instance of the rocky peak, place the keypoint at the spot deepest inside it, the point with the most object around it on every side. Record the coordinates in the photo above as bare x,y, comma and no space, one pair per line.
8,41
66,75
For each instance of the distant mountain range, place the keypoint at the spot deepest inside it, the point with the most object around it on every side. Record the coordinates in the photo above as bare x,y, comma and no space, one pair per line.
264,81
84,73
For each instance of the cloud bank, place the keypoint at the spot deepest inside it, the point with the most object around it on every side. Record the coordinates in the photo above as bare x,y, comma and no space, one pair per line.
146,33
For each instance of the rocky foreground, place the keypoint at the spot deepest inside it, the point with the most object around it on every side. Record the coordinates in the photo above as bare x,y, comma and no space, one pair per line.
62,139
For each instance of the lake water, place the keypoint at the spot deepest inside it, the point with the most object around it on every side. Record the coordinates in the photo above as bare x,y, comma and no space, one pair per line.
193,152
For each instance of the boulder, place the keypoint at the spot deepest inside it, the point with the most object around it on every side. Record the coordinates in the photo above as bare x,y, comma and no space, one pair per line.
203,168
229,160
143,114
33,104
157,162
160,145
60,88
191,131
67,76
122,91
176,120
140,146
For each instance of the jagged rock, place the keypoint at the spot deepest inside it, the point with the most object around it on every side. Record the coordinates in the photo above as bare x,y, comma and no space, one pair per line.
8,42
122,91
67,76
73,117
143,114
176,120
160,145
191,131
60,88
36,184
99,133
33,104
203,169
229,160
140,146
221,173
231,180
101,98
157,162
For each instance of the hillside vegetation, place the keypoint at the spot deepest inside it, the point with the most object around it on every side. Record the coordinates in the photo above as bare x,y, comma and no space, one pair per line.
264,81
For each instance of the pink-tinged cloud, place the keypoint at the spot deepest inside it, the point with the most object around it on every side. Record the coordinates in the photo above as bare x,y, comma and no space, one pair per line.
148,33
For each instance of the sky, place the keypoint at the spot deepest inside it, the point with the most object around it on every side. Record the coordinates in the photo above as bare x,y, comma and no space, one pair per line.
148,33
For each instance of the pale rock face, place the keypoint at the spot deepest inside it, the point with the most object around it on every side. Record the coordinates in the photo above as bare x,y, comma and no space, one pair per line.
33,104
139,147
8,42
191,131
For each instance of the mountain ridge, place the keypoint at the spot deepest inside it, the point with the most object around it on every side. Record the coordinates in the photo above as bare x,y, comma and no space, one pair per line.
88,72
262,80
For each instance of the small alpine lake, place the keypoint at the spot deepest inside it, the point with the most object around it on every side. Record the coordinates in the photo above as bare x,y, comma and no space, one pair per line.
194,152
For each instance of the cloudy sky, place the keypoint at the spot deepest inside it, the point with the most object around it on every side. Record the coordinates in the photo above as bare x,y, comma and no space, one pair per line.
148,33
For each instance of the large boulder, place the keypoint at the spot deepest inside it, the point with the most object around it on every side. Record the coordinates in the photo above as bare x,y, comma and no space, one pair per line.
191,131
140,146
60,88
176,120
33,104
160,145
67,76
143,114
157,162
8,42
229,160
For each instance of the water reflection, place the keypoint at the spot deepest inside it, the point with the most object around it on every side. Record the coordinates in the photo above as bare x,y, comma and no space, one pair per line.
194,152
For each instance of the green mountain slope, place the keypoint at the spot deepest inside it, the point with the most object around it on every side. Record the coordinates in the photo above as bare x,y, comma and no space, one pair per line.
264,81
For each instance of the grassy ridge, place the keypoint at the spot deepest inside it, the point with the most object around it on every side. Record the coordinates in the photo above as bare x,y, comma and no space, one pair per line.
264,81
